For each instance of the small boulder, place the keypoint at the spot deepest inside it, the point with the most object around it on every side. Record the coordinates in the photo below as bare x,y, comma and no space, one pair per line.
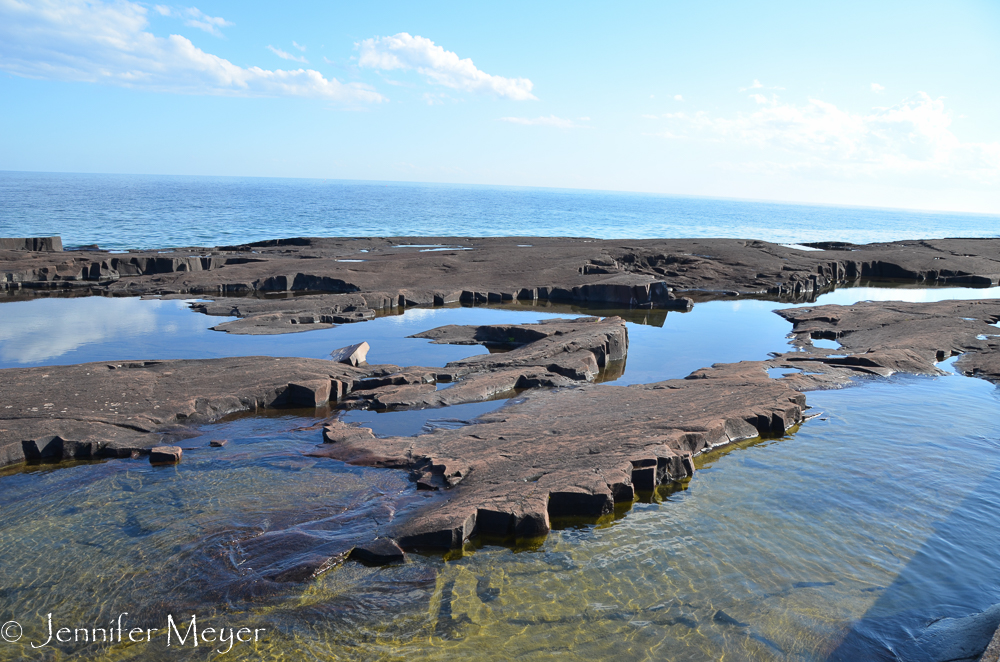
352,354
165,454
218,443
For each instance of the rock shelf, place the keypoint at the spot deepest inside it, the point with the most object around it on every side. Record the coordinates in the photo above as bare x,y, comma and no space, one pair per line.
116,409
565,445
894,336
569,452
652,273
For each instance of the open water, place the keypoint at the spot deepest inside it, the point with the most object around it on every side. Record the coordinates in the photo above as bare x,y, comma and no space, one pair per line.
142,211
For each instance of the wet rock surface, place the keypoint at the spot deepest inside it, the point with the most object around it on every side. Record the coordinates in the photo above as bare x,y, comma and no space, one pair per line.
114,409
892,336
355,279
552,353
568,452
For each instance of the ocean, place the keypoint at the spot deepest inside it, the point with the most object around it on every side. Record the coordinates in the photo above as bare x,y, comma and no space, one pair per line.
153,211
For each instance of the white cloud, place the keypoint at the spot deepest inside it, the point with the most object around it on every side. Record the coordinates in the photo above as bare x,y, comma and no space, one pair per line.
195,18
441,67
759,98
678,97
551,120
757,85
910,138
287,56
100,42
299,46
877,88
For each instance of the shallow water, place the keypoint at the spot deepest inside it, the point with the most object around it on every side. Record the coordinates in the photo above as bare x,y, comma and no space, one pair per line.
839,541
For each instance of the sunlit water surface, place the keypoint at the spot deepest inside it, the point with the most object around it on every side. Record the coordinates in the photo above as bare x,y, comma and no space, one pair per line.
840,541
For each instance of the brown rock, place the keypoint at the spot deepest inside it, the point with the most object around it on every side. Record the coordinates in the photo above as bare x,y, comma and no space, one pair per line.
312,393
554,454
893,336
111,409
165,454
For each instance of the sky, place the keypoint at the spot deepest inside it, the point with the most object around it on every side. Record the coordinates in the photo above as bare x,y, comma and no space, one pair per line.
886,104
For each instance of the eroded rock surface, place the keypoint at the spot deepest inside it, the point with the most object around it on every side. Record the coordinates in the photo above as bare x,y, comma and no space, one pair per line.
551,353
358,278
893,336
569,452
115,409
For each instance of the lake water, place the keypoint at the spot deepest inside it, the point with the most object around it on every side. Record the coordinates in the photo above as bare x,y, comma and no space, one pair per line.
839,541
140,211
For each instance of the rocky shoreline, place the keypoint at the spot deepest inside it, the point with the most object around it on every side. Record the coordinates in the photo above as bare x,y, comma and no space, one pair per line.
355,279
565,446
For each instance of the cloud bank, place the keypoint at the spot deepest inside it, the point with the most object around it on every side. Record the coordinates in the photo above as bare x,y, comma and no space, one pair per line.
103,42
910,138
440,67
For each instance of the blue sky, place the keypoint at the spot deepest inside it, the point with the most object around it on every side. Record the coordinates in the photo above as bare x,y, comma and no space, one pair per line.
884,104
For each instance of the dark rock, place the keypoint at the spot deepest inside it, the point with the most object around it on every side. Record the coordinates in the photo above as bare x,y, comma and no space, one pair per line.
381,551
649,273
165,455
48,244
218,443
312,393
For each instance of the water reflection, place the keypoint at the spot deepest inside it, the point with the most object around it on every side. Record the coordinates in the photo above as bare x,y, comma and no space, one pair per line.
847,536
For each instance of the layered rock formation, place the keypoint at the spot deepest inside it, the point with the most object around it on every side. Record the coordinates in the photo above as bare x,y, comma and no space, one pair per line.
895,336
357,278
117,409
569,452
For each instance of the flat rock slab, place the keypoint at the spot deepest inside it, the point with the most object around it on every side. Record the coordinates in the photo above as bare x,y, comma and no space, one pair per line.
95,409
903,337
569,452
553,353
369,274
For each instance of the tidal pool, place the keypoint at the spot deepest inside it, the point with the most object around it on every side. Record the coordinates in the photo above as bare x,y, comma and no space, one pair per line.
839,541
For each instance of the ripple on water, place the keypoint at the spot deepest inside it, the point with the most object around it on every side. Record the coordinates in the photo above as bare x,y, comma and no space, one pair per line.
842,537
